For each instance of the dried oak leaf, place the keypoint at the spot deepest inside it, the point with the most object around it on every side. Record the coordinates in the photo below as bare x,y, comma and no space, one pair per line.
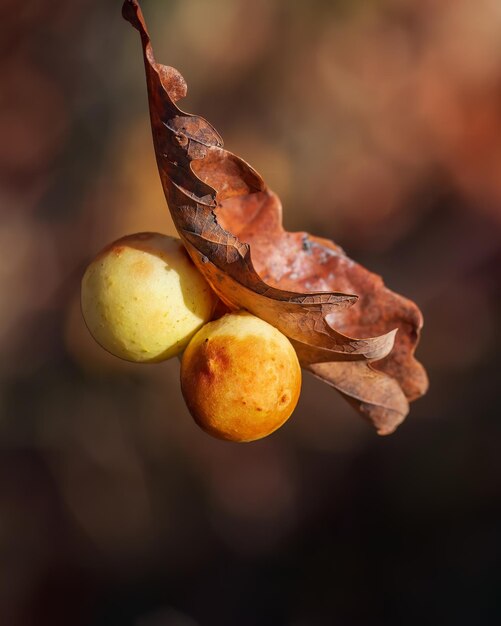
231,225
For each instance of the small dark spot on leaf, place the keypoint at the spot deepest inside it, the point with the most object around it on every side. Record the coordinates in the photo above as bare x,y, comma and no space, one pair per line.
306,243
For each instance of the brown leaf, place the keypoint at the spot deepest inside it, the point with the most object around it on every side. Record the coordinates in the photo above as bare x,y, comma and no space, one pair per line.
231,224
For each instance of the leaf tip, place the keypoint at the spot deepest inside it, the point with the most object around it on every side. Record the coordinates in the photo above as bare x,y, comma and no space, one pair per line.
385,431
131,11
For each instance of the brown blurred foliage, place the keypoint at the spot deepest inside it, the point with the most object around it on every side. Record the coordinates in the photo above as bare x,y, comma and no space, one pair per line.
114,507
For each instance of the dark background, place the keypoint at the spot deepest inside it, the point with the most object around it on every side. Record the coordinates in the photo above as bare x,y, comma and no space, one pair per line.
379,124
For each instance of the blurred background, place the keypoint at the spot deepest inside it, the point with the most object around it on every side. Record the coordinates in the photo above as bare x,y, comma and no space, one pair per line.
379,124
